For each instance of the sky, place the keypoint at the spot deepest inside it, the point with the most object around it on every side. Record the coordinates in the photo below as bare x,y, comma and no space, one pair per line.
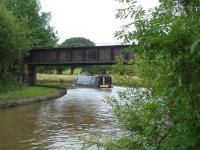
92,19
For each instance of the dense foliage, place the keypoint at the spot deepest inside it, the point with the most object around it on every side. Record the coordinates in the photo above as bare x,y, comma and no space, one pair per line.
165,114
22,26
123,69
77,42
120,68
41,32
11,34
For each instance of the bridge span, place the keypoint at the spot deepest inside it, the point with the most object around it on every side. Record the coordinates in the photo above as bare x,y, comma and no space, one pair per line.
73,56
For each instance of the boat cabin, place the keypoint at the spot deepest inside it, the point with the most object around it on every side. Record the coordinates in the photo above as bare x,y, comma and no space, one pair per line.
100,81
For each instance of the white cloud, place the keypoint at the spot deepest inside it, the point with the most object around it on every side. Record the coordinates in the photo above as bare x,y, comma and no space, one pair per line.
92,19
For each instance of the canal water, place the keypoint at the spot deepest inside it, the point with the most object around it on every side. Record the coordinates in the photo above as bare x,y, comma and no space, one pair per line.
57,124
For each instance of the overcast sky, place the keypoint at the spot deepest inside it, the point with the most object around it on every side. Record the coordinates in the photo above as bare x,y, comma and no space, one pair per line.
92,19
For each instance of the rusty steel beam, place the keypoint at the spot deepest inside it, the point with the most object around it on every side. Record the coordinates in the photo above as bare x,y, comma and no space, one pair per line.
97,55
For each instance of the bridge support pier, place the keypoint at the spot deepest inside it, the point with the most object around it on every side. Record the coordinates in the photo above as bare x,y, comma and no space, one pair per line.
31,74
24,73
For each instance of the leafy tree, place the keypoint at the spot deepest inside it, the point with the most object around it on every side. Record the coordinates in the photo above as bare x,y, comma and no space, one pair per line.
38,22
22,26
187,4
166,113
77,42
123,69
13,45
46,69
100,69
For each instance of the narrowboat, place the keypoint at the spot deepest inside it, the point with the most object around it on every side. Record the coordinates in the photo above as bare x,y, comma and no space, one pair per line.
98,81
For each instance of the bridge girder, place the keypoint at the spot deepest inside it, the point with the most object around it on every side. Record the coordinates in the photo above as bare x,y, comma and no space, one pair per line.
74,56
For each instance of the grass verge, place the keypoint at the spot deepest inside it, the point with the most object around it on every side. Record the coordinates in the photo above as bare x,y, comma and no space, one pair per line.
63,81
125,80
57,81
27,92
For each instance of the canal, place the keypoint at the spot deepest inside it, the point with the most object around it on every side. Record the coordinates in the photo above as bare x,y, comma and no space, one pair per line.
57,124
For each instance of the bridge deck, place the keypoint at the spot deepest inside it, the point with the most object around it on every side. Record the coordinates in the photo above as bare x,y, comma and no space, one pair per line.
77,55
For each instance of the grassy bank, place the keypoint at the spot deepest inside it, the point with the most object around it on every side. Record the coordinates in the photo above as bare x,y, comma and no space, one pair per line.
125,80
27,92
51,80
67,80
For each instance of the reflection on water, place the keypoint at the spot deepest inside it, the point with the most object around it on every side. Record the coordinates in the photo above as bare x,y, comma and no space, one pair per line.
55,124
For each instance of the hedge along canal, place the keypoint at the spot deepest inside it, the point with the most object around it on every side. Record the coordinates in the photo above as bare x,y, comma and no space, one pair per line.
29,95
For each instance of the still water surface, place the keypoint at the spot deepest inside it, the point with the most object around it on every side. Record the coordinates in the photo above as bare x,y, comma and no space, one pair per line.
56,124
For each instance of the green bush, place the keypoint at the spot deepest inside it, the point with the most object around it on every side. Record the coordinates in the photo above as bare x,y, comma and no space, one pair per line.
127,80
8,82
98,69
22,25
166,115
13,45
123,69
147,118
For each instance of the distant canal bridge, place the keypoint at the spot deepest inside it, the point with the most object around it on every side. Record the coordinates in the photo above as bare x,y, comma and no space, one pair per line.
74,56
